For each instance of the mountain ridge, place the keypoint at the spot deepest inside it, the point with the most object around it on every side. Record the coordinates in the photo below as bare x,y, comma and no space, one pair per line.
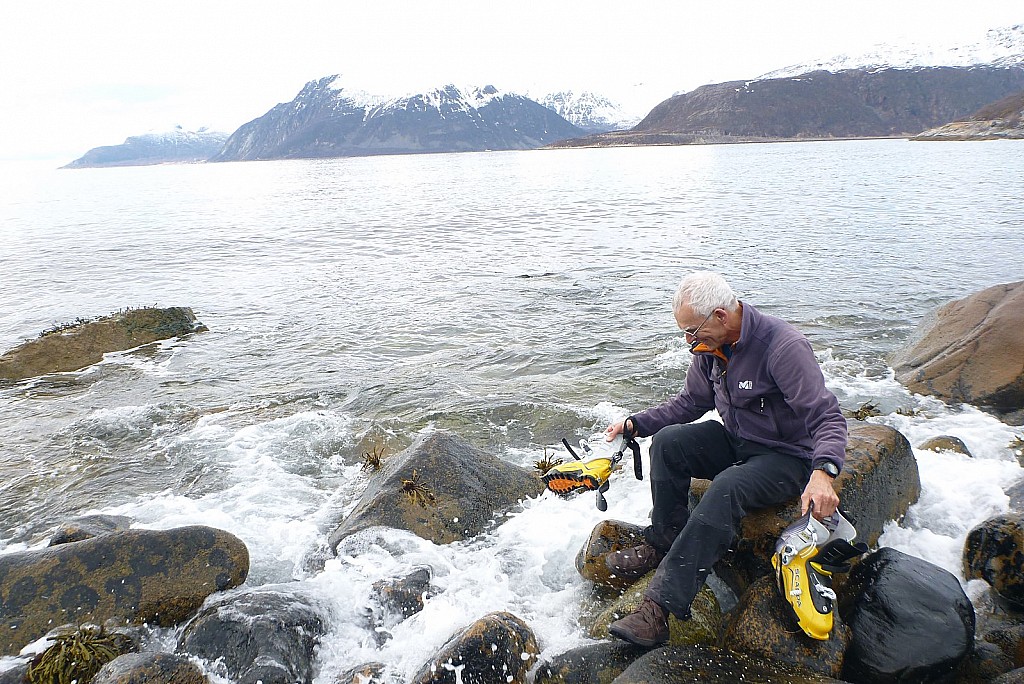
326,119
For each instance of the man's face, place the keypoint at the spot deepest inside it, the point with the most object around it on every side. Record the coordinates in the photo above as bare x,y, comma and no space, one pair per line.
706,329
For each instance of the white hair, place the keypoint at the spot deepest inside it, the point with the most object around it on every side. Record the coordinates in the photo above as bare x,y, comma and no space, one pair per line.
704,291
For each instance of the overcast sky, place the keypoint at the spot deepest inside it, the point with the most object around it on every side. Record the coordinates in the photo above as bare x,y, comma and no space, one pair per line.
83,73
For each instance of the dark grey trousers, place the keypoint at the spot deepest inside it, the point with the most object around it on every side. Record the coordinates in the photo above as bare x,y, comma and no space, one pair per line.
744,475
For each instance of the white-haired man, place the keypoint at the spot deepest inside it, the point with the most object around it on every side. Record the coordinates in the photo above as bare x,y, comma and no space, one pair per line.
782,435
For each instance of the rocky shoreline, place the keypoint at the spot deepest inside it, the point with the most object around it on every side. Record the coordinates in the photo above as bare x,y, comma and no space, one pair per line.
101,584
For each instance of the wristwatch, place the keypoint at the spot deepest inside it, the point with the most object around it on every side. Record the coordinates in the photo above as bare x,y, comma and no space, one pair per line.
829,467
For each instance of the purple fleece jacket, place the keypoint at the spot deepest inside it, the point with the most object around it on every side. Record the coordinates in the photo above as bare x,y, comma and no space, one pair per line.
771,392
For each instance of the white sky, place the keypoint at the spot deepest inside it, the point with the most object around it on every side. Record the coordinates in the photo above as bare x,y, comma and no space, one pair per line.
76,74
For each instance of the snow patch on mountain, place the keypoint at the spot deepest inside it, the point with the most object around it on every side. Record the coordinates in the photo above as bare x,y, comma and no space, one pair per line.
443,97
589,111
1002,47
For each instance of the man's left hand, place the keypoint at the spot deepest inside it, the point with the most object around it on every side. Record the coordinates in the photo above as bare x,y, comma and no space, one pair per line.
820,491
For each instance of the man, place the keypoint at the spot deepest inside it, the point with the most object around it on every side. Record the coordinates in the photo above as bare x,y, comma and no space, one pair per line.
781,434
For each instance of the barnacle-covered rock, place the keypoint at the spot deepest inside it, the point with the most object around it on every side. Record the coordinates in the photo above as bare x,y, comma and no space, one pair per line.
499,648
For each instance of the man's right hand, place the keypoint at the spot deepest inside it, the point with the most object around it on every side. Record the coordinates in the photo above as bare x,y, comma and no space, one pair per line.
615,429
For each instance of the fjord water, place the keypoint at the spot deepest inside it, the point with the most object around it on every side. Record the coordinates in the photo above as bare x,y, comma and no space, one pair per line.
514,298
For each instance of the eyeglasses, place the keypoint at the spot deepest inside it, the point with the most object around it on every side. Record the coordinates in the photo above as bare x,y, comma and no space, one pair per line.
693,333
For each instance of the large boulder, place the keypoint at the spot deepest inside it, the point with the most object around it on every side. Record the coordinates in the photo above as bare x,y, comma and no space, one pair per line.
263,636
499,648
68,348
973,352
911,620
763,626
156,576
441,488
994,552
879,483
698,665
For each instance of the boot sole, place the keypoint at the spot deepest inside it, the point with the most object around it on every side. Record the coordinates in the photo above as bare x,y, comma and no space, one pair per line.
565,484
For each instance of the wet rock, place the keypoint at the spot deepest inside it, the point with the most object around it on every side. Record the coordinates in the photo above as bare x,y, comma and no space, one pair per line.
698,665
994,552
601,662
973,352
1011,677
946,443
155,576
89,526
16,675
984,663
607,537
442,489
703,627
367,673
144,668
763,626
76,346
395,600
911,620
499,648
262,635
879,483
1016,494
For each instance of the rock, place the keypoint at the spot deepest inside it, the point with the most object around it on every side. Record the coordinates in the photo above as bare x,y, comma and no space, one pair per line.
499,648
607,537
395,600
698,665
155,576
879,483
89,526
441,488
763,626
984,663
703,627
367,673
263,634
946,443
1016,494
144,668
1011,677
973,352
994,552
601,662
911,620
76,346
15,675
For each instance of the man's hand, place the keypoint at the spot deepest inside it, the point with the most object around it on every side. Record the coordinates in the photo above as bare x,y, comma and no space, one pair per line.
613,430
820,491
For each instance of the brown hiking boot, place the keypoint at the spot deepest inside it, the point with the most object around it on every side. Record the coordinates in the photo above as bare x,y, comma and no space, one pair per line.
634,562
647,627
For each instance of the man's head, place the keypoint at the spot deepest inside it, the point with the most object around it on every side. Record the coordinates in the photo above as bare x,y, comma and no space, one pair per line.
707,310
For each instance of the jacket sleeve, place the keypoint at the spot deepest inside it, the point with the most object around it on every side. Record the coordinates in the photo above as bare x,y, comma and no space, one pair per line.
696,399
798,375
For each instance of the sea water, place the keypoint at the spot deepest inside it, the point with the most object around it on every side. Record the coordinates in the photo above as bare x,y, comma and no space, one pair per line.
513,298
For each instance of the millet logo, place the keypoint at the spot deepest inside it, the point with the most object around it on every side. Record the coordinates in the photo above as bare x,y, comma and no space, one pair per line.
746,384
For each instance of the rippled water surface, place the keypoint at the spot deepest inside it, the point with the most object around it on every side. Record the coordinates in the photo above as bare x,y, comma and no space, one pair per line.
512,297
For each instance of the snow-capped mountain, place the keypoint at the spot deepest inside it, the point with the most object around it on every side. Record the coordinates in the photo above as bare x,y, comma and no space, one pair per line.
329,119
1002,47
591,112
175,146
